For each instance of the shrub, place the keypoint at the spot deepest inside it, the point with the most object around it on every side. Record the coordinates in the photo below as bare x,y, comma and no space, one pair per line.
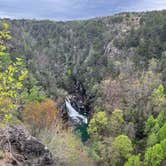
98,124
40,115
66,148
153,155
133,160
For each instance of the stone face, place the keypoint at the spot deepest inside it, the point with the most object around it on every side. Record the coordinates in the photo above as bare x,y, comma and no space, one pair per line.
25,149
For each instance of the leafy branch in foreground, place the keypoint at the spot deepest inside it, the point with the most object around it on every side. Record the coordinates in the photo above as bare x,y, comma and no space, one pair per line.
12,74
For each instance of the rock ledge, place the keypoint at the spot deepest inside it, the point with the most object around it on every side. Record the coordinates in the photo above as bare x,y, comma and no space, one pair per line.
24,149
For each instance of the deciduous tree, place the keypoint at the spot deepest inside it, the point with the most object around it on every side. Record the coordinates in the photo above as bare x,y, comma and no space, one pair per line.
40,115
153,156
12,74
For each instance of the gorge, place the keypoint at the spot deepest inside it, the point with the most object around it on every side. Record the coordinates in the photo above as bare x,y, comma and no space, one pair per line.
107,75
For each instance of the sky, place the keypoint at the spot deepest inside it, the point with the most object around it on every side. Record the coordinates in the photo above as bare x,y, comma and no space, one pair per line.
73,9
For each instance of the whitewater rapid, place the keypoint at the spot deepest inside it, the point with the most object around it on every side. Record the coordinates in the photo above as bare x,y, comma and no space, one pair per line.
73,114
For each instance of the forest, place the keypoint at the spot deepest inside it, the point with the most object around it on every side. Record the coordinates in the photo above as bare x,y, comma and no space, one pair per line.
112,70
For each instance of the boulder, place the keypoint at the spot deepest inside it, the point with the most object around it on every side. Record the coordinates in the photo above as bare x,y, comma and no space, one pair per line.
24,149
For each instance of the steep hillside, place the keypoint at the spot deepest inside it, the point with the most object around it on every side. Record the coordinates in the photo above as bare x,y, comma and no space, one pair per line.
87,50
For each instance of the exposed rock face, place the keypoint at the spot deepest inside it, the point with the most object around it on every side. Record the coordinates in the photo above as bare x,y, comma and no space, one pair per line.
25,149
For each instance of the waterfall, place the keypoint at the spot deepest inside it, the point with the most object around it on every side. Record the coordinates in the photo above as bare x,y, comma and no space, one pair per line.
73,114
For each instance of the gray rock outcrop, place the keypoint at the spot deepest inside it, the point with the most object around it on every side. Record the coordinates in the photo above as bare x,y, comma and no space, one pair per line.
25,149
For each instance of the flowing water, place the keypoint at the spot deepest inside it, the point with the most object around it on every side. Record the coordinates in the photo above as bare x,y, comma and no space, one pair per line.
74,115
80,121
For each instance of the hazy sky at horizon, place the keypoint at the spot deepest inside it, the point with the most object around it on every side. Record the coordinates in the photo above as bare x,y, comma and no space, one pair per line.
73,9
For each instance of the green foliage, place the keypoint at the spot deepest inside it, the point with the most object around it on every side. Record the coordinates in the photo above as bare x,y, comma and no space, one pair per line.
116,122
111,151
163,146
161,119
150,123
98,124
155,129
162,132
12,75
122,147
34,94
152,139
153,156
133,160
158,96
10,84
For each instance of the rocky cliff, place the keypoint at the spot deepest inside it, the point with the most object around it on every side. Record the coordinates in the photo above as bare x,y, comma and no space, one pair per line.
21,149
